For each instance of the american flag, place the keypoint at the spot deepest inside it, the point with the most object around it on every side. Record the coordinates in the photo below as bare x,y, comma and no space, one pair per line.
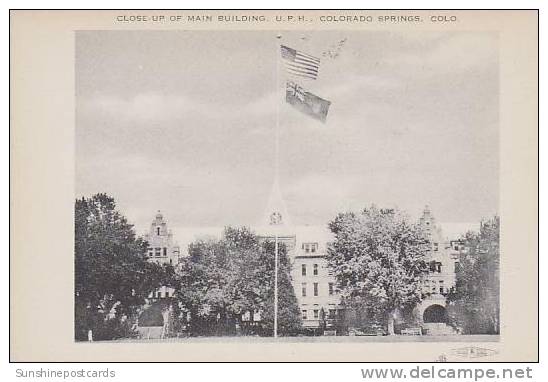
300,64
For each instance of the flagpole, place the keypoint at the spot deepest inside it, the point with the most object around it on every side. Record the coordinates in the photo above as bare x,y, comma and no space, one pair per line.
277,142
277,174
276,285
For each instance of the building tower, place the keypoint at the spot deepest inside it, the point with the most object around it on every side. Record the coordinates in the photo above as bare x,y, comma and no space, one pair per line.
161,247
162,250
439,280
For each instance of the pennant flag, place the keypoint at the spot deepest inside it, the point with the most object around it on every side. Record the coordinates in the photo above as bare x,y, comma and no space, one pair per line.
300,64
306,102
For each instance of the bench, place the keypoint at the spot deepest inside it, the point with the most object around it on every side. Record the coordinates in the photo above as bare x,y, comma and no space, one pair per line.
411,332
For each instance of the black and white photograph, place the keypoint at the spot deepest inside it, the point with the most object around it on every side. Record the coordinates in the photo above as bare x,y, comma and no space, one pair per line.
294,186
312,186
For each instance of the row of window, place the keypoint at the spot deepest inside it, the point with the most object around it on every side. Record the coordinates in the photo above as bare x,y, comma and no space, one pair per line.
434,287
435,267
157,252
304,287
315,270
161,294
310,247
332,313
456,247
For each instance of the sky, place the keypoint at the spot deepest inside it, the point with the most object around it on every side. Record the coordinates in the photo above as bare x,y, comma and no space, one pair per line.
184,122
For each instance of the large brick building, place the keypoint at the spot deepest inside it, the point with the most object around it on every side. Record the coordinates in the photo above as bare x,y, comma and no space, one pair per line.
314,285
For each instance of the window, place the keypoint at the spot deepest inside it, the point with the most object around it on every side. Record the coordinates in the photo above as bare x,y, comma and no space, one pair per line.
304,314
157,252
310,247
315,289
331,289
158,231
316,313
435,266
435,246
165,251
457,246
441,286
151,252
303,289
315,270
303,269
332,313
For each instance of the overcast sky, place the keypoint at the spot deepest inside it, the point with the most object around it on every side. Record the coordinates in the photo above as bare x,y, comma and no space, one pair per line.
184,122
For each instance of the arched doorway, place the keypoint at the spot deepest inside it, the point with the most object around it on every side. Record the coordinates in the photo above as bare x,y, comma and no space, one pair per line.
435,313
152,315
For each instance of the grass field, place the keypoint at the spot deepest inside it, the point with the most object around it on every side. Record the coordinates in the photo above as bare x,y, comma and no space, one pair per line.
326,339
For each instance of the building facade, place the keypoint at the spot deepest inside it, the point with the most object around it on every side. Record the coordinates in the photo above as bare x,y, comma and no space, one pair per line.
314,285
442,259
162,249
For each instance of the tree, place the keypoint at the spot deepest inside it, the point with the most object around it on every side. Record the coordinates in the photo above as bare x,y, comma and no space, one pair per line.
474,301
207,286
224,279
112,274
289,315
377,258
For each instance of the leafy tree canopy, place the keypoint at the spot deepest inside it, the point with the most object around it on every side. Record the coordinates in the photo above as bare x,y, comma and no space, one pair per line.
112,274
377,258
474,302
223,279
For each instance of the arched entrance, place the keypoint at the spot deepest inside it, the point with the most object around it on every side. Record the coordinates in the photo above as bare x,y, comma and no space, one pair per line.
435,314
152,315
